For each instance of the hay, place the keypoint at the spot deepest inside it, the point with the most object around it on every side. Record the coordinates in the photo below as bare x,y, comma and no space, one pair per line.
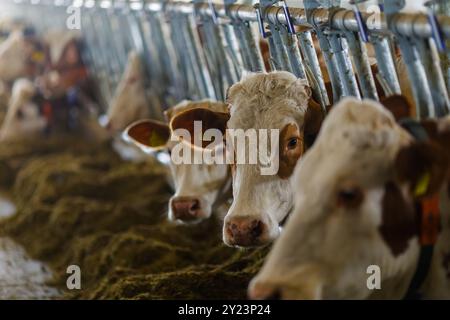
80,204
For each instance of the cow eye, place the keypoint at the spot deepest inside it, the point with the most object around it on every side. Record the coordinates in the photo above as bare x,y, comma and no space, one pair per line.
292,143
350,197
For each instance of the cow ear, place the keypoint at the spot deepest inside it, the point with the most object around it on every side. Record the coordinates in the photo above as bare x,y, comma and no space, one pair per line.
313,121
206,118
399,106
423,166
149,135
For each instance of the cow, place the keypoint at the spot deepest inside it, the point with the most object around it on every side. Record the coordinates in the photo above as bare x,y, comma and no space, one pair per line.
275,100
201,188
129,102
23,118
53,64
361,195
53,60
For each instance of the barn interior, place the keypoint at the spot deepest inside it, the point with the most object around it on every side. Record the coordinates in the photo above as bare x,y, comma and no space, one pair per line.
79,194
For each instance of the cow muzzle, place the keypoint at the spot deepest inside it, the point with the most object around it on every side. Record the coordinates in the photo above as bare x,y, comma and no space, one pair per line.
246,232
187,209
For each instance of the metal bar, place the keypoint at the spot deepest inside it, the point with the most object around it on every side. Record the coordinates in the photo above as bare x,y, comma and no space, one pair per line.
344,66
312,63
293,51
386,65
232,50
406,24
418,79
430,61
253,49
194,48
362,66
244,50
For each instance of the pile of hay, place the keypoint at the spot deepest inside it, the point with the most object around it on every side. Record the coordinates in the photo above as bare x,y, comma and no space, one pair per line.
79,204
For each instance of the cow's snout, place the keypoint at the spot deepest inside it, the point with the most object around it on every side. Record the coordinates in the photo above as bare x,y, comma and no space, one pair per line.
264,291
245,232
187,209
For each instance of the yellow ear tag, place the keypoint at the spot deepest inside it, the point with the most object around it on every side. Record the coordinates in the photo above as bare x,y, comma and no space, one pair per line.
156,140
422,185
38,56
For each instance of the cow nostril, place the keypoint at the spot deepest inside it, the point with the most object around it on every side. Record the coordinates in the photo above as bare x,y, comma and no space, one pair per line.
256,229
275,295
195,206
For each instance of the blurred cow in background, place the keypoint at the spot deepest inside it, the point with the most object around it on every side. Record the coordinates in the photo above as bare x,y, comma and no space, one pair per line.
64,92
129,103
23,118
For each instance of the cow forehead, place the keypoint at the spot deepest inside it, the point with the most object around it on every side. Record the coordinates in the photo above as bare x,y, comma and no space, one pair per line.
358,142
364,125
275,114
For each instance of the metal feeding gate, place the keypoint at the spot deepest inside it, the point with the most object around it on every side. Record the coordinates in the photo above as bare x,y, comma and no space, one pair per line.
197,49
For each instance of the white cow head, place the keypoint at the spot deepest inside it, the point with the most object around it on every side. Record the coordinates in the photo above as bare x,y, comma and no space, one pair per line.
197,186
23,119
129,102
266,101
354,209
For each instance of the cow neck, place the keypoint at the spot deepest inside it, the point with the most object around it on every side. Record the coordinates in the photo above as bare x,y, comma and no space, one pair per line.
428,222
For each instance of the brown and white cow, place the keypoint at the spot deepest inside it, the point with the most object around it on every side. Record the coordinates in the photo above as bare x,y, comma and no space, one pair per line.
357,194
280,101
199,188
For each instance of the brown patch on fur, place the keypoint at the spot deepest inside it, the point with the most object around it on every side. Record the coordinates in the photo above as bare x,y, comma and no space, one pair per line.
399,223
399,106
442,138
418,158
208,118
289,154
313,121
